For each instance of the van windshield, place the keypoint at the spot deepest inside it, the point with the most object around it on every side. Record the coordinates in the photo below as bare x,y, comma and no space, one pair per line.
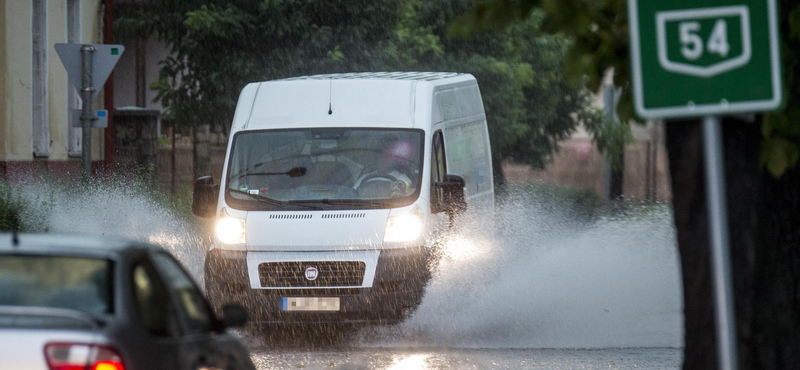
352,167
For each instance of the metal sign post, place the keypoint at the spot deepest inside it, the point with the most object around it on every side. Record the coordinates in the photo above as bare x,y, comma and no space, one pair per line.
707,58
87,117
720,249
88,68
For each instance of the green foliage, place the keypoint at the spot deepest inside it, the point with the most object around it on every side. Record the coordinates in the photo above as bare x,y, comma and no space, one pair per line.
218,46
600,31
11,207
163,141
780,148
610,136
16,207
585,58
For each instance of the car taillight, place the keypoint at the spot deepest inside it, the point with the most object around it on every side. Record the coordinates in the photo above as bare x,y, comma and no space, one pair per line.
82,356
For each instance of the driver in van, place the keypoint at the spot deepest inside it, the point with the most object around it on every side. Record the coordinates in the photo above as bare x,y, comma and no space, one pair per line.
392,167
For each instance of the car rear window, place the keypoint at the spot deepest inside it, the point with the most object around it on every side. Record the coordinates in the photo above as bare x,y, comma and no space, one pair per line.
77,283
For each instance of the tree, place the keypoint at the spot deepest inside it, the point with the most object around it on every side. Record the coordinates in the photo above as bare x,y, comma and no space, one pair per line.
761,172
530,103
219,46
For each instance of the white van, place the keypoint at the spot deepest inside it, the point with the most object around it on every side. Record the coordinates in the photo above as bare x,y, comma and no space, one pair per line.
337,188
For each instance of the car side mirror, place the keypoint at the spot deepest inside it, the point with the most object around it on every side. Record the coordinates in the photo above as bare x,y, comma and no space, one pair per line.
204,197
455,198
233,316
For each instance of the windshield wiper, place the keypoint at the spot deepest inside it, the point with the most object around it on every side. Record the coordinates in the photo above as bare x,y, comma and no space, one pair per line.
294,172
345,202
273,202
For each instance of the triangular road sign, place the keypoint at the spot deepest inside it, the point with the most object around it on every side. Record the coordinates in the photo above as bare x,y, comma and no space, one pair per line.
103,62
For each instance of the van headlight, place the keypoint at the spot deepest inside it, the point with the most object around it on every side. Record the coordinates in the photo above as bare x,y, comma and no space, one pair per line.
230,230
404,228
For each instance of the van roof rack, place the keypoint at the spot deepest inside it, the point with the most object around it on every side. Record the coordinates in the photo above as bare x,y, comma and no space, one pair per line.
416,76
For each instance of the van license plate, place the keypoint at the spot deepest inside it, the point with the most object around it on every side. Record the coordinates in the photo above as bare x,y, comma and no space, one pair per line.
310,304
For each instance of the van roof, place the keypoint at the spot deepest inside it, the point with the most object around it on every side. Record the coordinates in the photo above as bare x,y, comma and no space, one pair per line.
408,76
365,99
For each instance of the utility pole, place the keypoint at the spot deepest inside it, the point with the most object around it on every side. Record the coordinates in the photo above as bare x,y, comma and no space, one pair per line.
87,116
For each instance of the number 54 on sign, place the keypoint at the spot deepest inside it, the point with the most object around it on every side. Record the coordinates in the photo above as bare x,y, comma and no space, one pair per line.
703,57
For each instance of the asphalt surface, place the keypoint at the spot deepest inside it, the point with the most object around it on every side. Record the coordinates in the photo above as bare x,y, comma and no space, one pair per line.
453,358
385,348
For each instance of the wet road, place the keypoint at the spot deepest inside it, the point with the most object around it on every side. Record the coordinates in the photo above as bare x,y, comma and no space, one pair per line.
451,358
550,281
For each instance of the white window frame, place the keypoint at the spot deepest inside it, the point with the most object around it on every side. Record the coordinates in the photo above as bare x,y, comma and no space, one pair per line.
40,122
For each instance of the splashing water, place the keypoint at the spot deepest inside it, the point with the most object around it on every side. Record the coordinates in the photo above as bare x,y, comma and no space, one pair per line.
548,279
125,209
552,281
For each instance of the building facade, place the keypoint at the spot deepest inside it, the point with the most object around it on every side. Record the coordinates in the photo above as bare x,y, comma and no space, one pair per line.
35,95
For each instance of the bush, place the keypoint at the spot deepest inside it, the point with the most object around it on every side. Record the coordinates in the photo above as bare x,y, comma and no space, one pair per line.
11,207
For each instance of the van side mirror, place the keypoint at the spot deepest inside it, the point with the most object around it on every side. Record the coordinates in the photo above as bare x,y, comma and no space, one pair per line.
204,197
233,316
455,197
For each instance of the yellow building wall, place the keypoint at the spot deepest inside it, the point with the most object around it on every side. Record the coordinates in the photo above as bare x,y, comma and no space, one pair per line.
3,79
57,80
15,65
17,130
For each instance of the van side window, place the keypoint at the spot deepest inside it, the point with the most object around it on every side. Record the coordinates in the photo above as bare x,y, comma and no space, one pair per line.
152,301
438,169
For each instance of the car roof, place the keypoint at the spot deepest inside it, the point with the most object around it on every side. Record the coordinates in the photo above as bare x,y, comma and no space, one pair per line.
70,244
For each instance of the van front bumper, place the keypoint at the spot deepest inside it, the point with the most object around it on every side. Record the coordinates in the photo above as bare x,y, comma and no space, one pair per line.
400,279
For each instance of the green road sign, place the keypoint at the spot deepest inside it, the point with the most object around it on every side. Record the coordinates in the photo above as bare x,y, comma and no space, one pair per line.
704,57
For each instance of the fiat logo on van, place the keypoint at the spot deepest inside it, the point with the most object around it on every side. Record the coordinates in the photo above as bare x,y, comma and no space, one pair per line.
311,273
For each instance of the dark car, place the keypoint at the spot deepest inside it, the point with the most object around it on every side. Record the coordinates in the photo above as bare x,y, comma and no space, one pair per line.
78,302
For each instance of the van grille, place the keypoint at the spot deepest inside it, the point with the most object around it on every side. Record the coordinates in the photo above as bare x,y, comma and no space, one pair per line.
344,215
292,217
330,274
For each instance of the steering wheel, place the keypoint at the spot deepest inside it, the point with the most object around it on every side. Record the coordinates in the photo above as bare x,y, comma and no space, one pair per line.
379,189
376,176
